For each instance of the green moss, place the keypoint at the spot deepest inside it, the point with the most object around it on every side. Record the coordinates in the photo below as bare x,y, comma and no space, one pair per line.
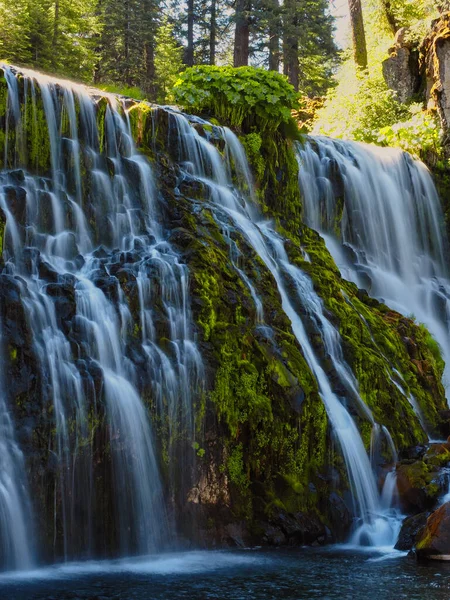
208,286
102,105
235,467
252,143
138,115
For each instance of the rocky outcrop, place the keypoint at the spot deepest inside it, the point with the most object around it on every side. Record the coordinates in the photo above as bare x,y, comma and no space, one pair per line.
435,66
411,526
433,542
419,480
401,69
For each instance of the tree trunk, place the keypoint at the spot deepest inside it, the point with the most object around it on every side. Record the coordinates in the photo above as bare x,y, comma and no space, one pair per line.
359,37
55,34
242,33
290,43
274,36
127,43
291,66
212,34
390,16
150,70
190,34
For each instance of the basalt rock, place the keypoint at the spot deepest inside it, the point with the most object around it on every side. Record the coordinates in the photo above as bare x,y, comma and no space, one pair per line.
435,66
401,69
262,466
433,542
411,526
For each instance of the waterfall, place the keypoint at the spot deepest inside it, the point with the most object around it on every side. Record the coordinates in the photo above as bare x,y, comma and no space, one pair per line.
377,525
86,248
380,216
106,304
16,529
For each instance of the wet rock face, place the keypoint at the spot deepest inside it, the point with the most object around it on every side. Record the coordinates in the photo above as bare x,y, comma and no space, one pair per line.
420,482
411,526
401,69
434,539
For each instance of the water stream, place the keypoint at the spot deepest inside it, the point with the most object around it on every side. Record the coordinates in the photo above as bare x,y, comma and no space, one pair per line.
381,218
79,239
376,525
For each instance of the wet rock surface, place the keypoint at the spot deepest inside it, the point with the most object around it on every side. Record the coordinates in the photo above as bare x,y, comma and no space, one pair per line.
433,542
411,526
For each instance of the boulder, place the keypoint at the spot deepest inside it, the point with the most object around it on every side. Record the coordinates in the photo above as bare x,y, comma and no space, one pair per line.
433,542
295,529
417,486
409,530
401,69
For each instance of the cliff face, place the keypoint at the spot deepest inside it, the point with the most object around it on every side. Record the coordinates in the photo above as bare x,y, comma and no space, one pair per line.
435,53
256,460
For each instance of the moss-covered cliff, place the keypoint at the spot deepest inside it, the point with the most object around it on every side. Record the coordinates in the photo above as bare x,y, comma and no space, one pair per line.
267,467
276,448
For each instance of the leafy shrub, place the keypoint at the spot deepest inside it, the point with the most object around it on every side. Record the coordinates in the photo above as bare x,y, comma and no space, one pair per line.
420,135
243,97
416,15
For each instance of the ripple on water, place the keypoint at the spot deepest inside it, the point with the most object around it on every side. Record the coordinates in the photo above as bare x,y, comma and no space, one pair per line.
325,574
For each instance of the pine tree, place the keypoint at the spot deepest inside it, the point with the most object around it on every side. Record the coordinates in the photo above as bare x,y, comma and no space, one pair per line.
242,32
358,33
168,61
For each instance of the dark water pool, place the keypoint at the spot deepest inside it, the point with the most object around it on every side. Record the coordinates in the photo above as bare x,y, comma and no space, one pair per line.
328,574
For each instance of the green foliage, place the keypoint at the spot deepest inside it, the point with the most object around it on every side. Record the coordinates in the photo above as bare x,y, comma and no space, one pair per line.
239,392
126,43
359,108
168,62
420,135
60,35
235,466
416,15
252,143
362,107
124,90
240,96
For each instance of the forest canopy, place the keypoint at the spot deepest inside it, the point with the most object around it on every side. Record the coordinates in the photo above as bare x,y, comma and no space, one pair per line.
141,48
138,43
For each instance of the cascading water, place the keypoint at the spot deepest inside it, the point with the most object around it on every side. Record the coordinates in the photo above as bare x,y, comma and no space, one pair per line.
380,216
53,226
106,300
16,537
377,524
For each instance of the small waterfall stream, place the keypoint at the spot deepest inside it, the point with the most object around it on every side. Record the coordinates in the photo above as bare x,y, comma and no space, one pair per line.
381,218
101,196
16,540
378,525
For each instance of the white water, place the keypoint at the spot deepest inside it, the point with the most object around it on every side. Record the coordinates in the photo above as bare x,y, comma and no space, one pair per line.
16,537
161,564
65,222
377,526
380,216
120,217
